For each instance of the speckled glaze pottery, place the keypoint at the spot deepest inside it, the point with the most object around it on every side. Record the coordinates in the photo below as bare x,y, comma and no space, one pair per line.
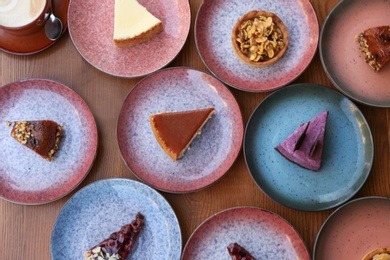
92,36
27,178
34,41
211,153
347,156
263,233
354,229
103,207
213,27
341,57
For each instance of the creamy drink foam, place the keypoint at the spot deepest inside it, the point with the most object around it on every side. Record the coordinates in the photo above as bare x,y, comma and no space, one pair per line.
15,13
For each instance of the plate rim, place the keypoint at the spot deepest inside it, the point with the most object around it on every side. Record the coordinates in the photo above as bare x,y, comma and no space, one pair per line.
242,128
62,85
315,50
328,89
325,66
338,210
185,39
259,209
128,182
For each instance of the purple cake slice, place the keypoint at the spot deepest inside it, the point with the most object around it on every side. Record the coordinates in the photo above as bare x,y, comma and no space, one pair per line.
304,146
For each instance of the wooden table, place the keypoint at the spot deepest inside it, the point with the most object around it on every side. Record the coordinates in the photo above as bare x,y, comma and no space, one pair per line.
25,230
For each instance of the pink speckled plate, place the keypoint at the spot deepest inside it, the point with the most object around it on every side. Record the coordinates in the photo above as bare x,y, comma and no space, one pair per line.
91,26
25,177
263,233
211,154
354,229
340,54
213,27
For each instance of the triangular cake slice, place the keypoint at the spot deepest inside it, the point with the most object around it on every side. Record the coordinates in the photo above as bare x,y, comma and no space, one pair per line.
133,23
175,131
41,136
238,252
119,244
375,46
304,146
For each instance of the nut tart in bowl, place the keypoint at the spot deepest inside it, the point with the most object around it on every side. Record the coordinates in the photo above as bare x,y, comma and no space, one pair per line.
378,254
259,38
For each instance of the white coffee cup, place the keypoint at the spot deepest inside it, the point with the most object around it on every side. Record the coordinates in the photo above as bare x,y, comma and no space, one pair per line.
23,16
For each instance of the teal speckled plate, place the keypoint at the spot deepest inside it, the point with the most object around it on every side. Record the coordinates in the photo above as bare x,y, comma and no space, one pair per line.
347,156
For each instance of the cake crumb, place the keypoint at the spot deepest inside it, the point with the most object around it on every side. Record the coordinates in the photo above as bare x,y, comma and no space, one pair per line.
8,123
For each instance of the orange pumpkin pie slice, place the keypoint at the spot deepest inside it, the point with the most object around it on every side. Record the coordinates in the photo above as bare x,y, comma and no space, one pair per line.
42,136
175,131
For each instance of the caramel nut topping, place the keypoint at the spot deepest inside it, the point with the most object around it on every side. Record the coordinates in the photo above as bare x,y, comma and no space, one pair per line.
260,39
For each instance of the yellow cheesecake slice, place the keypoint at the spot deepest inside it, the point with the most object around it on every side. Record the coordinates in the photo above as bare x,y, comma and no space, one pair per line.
133,23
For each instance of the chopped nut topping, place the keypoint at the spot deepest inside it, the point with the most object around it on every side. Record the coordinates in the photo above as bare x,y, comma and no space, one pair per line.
8,123
260,39
22,131
42,136
369,58
100,253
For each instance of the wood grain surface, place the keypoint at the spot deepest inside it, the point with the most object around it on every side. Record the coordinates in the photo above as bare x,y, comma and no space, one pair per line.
25,230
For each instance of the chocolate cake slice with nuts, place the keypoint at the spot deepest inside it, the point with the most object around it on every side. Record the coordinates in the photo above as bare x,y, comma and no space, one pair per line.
41,136
375,46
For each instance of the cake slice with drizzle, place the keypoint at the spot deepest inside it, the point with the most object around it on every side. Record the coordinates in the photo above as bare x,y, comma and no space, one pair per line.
119,244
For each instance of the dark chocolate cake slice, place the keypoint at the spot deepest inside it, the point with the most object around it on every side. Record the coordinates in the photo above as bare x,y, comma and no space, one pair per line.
237,252
304,146
119,244
41,136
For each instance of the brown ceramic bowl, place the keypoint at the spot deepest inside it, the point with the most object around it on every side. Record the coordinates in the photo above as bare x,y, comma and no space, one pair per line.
370,255
251,16
30,27
37,41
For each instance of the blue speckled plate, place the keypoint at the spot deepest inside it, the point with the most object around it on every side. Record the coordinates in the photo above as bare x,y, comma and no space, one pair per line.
263,233
102,207
347,156
213,28
211,153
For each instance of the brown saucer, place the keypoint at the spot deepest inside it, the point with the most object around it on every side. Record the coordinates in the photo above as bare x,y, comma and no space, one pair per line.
37,41
251,16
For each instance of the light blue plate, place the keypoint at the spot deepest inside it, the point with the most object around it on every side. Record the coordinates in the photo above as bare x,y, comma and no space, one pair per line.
102,207
347,156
